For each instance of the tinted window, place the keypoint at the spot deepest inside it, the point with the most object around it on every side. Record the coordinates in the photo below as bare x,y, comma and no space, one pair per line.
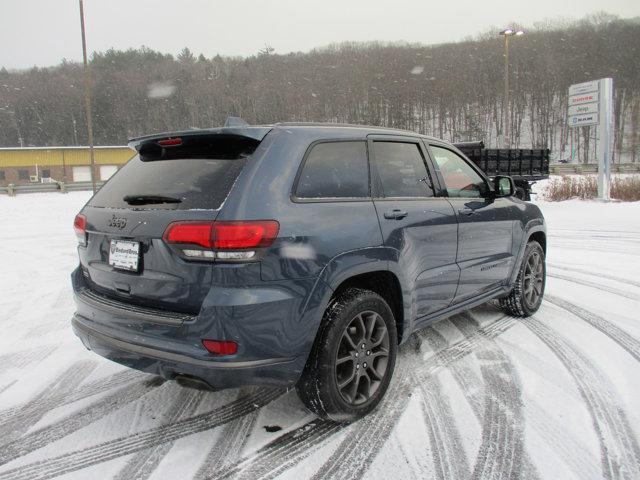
335,169
46,173
198,183
2,175
23,174
460,179
402,170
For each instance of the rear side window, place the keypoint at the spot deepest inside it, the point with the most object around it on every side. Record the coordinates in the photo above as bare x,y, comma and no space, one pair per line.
402,170
199,176
335,170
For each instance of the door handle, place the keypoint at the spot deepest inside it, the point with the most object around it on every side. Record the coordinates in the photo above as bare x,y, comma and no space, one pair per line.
466,211
395,214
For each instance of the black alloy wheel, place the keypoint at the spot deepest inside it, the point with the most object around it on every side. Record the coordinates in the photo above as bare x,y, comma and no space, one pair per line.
362,357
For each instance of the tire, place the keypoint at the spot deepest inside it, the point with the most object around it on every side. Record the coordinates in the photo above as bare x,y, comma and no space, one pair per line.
363,317
528,291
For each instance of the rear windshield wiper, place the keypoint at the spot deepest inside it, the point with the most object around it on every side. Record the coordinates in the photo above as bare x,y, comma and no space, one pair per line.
149,199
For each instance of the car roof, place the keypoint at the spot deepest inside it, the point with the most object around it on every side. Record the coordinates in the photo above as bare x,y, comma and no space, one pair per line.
371,130
258,132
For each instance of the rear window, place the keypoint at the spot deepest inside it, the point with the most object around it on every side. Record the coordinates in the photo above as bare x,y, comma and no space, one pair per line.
335,170
200,178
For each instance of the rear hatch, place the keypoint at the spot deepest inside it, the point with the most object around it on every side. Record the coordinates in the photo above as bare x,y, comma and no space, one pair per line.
176,178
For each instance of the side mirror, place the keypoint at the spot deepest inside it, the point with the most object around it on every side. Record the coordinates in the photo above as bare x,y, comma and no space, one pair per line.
503,186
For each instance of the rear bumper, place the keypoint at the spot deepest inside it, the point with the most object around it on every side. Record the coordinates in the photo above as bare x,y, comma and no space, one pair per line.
218,375
273,324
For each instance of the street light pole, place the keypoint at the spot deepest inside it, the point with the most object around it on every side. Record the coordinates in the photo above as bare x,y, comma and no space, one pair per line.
506,91
87,99
507,32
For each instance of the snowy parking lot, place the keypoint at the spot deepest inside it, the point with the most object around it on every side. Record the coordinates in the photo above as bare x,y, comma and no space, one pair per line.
482,395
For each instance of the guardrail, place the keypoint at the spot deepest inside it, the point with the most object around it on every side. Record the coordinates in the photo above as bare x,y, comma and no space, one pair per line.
591,168
554,169
61,187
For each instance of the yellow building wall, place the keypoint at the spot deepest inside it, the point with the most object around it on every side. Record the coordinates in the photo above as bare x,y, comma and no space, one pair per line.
25,157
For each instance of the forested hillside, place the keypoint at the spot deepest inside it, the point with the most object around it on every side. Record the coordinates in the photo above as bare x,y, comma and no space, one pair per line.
453,91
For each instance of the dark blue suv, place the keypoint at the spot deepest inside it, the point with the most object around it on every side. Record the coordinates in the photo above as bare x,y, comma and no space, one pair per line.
295,254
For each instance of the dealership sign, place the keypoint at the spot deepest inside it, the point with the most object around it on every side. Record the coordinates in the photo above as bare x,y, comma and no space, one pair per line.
583,98
583,109
591,103
583,120
581,88
584,104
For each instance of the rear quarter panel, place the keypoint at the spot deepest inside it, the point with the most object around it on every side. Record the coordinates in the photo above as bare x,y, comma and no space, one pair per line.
319,243
311,232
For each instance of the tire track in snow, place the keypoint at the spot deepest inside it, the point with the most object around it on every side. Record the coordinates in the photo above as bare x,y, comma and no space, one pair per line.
469,344
144,463
619,451
501,454
570,449
32,441
289,449
55,399
366,437
229,446
599,286
25,357
282,453
31,412
7,386
599,274
449,457
576,245
358,450
362,457
578,462
622,338
111,449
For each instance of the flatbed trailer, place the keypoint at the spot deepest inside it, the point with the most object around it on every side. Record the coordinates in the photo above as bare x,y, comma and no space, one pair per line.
525,165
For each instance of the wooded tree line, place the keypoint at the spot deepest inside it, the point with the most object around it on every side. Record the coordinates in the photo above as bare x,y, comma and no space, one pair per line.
452,91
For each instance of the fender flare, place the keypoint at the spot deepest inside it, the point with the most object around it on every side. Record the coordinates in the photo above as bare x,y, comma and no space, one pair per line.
533,226
357,262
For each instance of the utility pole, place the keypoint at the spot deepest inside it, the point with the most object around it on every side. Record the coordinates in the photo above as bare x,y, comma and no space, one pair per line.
87,99
507,32
506,91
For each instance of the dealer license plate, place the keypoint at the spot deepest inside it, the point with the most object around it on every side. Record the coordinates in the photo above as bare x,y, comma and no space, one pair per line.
124,254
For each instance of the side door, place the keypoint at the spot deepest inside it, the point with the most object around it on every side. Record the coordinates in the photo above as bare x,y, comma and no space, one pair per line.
485,224
415,220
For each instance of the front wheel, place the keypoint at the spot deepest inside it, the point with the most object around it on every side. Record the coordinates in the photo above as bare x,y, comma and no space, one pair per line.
352,361
526,296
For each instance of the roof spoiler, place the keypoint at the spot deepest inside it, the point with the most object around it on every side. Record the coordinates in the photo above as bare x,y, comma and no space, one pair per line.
232,128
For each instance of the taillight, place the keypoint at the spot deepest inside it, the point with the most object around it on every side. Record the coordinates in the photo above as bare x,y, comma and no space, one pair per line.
232,241
237,235
80,227
194,233
219,347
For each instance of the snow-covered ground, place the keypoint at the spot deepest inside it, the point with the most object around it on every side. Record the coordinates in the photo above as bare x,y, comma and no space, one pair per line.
554,396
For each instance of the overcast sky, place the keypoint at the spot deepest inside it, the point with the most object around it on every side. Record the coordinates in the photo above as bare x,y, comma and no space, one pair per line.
42,32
